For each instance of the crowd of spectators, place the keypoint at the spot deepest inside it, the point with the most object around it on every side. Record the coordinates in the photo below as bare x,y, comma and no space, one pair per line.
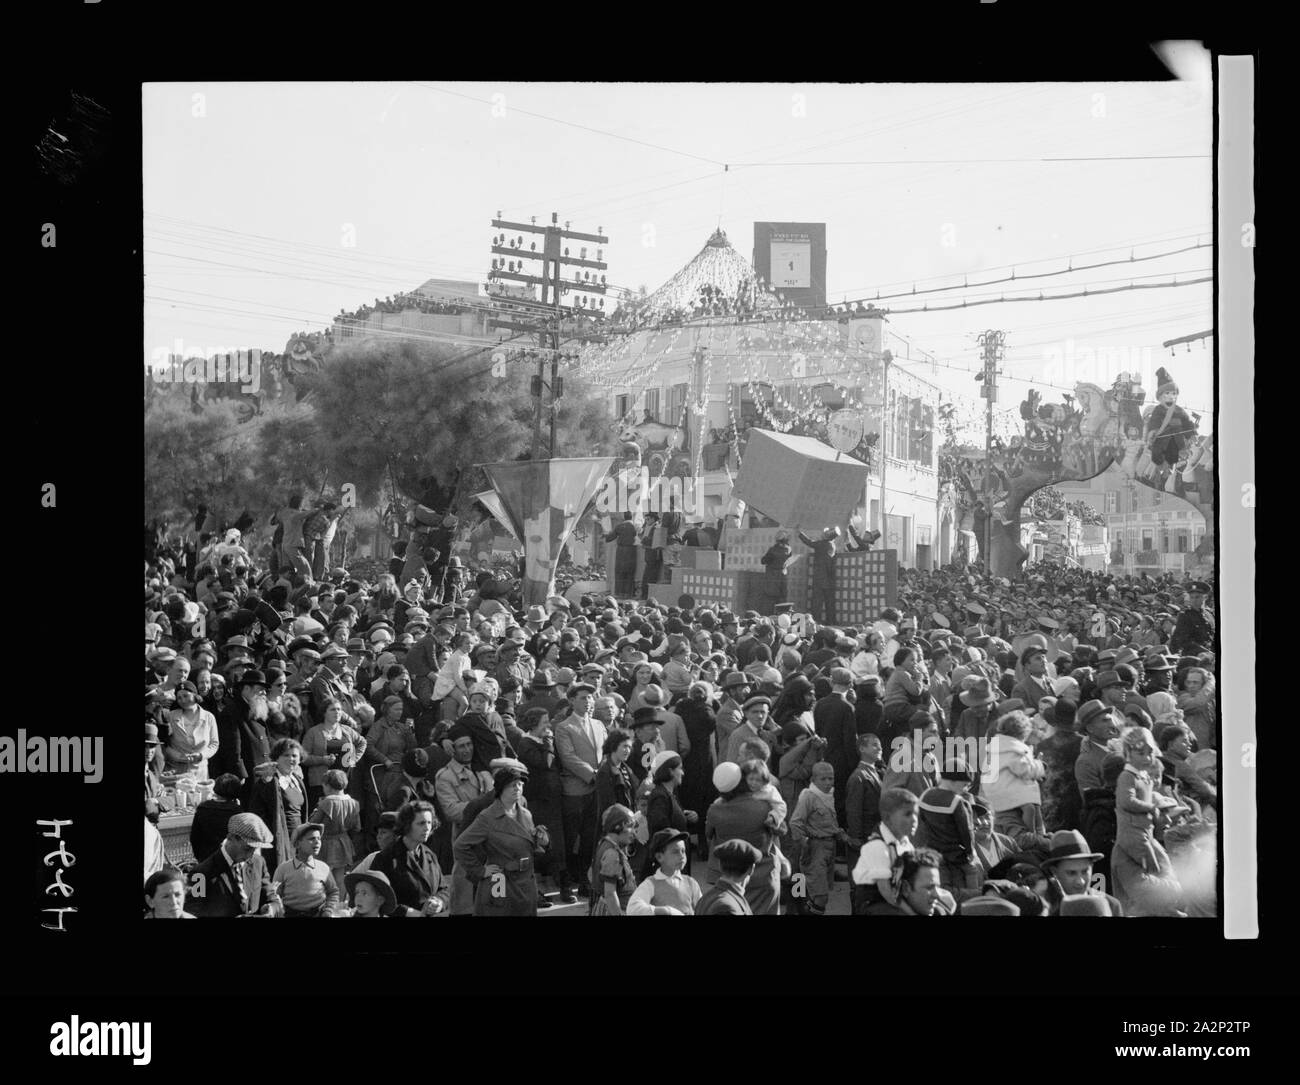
401,303
437,747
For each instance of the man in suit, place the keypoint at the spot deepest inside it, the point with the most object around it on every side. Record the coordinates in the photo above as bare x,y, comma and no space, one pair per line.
862,792
233,881
1099,724
833,720
325,686
736,860
1035,685
411,866
579,738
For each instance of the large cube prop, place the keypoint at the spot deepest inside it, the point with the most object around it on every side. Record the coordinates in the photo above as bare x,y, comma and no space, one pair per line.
799,480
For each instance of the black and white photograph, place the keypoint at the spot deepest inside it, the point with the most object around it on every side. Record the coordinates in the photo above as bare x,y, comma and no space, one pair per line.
765,486
554,508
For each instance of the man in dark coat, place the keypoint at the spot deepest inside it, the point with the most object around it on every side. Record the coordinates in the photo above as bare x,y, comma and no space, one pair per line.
736,860
543,794
234,881
822,589
1195,625
243,743
833,720
624,534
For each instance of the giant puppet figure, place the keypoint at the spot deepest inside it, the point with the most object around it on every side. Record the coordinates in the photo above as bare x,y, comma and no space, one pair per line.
1091,431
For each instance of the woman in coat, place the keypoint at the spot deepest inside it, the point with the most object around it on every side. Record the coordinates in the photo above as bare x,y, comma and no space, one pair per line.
740,814
663,810
615,782
698,716
542,792
279,797
497,850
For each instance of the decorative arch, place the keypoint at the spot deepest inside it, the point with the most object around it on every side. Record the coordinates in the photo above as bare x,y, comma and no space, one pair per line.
1085,435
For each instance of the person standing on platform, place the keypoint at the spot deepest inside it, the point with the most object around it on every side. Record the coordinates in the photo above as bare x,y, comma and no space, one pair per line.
822,601
625,535
776,588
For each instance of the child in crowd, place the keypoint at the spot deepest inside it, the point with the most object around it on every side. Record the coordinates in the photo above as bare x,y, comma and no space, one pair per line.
1138,804
341,816
814,830
164,895
306,885
947,825
759,781
874,873
1010,783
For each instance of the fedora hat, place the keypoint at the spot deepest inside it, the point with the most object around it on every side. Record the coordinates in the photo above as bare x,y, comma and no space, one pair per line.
1068,844
1085,904
980,693
374,878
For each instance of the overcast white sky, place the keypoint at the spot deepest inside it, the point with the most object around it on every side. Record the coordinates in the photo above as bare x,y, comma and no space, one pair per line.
250,187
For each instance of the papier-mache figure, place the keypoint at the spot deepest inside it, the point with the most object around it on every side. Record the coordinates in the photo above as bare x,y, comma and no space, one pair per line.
1168,426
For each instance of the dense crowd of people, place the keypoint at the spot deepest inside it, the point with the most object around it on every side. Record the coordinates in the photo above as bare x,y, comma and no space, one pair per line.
385,749
400,303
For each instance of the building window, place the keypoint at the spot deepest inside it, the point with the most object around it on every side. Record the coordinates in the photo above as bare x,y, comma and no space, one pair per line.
652,404
1148,538
621,404
676,403
1182,542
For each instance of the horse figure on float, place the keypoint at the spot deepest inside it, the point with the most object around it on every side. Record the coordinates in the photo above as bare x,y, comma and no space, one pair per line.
1078,440
660,445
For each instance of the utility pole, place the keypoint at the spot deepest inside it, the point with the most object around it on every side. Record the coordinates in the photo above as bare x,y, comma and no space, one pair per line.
992,341
541,317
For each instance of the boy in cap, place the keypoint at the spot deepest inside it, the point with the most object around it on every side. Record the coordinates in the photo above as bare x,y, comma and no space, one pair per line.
736,860
668,891
307,885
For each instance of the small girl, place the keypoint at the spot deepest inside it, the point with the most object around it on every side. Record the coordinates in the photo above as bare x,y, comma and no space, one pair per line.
1011,775
1138,805
1142,875
341,816
759,781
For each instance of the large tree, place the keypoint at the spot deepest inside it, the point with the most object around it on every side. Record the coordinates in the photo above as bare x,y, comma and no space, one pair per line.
408,414
210,458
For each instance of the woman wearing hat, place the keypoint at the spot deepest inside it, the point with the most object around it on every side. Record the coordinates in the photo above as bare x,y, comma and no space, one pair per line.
191,734
497,850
